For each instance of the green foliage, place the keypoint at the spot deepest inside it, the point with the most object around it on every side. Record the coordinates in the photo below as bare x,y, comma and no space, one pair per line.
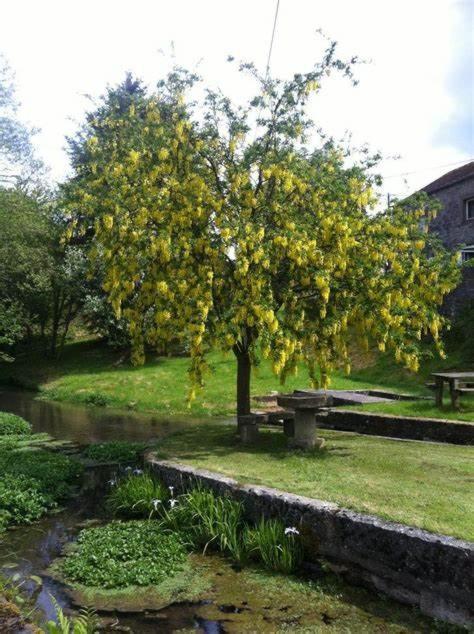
32,480
137,496
22,500
55,474
86,622
97,399
207,521
461,336
20,166
120,451
5,519
135,553
278,547
253,240
42,283
11,424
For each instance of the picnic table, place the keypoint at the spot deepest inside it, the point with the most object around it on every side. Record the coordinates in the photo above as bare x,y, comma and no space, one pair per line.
458,382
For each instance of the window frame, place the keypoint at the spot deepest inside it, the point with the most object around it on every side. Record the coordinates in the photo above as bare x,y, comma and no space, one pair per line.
465,251
467,217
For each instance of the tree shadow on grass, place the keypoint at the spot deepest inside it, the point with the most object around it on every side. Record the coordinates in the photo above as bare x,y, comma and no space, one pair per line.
221,441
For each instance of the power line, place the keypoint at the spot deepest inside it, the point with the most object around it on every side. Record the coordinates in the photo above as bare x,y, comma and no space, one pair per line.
273,37
425,169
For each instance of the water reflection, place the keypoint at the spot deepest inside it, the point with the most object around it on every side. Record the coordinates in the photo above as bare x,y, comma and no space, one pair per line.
85,424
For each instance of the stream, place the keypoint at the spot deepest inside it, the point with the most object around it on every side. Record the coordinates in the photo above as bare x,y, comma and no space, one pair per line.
236,600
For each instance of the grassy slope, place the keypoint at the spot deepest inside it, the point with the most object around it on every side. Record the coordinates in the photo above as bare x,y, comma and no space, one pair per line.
421,484
89,372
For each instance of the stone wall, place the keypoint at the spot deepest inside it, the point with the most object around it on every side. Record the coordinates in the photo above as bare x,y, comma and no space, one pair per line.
454,230
437,430
433,572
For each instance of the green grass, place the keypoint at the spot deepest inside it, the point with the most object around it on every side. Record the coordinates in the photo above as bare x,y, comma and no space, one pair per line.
425,409
421,484
90,373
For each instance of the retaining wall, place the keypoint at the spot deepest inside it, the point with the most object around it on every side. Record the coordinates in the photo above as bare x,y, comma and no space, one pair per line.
433,572
434,429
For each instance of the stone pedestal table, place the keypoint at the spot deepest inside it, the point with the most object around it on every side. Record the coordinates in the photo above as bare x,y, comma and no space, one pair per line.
305,408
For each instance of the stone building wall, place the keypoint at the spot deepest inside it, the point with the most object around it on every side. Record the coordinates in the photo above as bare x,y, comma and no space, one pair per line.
455,230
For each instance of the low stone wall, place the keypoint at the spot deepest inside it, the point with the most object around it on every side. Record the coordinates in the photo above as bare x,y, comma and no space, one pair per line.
434,572
434,429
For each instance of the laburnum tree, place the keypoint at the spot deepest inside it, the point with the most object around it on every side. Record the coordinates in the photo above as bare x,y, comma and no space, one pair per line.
229,226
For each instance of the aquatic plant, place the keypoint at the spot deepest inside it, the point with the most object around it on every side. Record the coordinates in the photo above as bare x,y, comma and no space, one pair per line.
13,425
278,547
86,622
120,451
21,499
136,495
205,521
56,474
123,554
32,481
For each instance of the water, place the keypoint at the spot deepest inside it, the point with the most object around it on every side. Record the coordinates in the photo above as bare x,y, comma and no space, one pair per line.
85,424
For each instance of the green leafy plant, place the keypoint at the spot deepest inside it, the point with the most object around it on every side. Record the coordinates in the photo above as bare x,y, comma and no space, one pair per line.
55,474
86,622
121,554
11,424
97,399
137,496
276,546
21,499
206,521
119,451
5,519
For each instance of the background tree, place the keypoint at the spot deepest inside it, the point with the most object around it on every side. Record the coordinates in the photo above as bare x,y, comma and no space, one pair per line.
19,165
42,283
229,226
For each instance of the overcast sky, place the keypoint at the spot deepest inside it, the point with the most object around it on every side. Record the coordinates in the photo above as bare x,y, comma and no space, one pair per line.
415,98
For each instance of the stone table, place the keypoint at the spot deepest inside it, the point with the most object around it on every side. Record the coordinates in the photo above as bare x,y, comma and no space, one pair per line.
305,408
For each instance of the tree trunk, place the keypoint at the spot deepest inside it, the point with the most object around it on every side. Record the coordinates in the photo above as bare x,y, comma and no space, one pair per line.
243,382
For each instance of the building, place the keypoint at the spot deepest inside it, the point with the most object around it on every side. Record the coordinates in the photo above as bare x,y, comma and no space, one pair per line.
455,224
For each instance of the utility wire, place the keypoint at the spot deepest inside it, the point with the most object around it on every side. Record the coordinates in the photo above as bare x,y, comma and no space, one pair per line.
433,167
272,39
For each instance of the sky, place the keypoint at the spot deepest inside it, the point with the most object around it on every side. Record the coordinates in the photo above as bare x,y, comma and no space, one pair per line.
414,101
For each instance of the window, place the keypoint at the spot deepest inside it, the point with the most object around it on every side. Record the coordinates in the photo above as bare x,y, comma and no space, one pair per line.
467,254
470,209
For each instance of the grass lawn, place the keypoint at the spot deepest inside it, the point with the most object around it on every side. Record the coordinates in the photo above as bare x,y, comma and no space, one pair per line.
421,484
425,409
93,374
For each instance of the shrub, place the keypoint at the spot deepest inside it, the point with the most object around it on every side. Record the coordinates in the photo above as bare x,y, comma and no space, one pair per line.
136,496
121,554
277,547
21,499
11,424
119,451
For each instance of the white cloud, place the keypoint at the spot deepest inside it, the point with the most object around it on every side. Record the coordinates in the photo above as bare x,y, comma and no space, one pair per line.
61,50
